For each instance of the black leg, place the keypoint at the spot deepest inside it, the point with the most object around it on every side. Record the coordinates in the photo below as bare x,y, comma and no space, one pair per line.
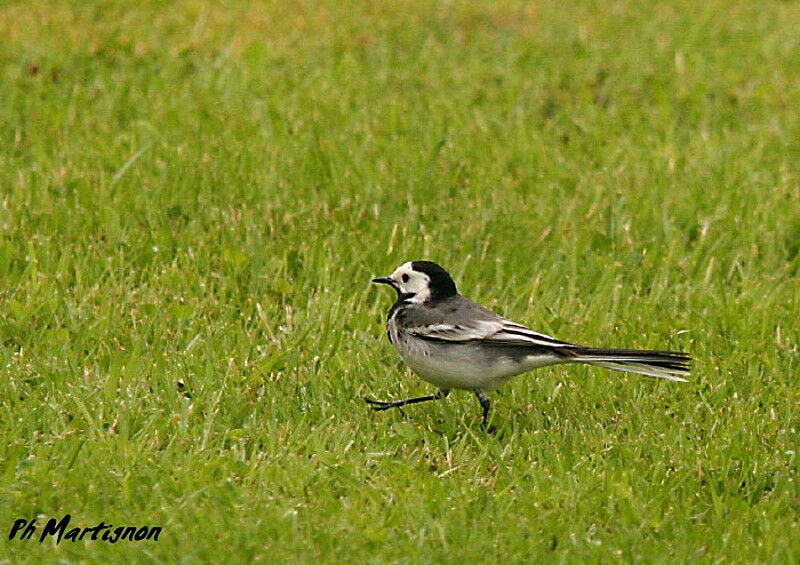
486,404
378,405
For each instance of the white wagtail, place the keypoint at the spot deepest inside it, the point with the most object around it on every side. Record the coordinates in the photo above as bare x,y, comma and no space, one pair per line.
454,343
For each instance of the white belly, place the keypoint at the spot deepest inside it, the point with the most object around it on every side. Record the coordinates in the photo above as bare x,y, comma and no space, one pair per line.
465,366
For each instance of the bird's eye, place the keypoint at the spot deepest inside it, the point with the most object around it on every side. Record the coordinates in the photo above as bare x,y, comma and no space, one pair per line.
405,277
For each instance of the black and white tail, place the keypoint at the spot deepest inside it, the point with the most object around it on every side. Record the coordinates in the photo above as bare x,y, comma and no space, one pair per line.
672,365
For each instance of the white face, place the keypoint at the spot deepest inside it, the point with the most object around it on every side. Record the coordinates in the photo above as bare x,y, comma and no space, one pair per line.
408,281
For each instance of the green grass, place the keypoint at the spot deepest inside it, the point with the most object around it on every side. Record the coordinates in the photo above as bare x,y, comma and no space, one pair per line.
201,192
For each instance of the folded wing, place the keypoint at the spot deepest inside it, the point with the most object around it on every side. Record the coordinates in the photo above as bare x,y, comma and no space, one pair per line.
671,365
498,331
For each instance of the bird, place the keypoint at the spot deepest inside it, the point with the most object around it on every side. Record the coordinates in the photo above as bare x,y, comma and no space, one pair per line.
454,343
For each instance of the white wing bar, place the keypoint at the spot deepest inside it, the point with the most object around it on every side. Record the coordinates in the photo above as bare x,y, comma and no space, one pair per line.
497,331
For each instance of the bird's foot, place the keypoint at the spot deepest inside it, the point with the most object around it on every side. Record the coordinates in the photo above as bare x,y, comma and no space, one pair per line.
380,405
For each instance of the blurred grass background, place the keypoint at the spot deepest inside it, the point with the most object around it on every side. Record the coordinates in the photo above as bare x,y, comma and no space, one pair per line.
200,192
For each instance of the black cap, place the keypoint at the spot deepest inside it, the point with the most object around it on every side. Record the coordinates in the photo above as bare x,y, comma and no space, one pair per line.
441,284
